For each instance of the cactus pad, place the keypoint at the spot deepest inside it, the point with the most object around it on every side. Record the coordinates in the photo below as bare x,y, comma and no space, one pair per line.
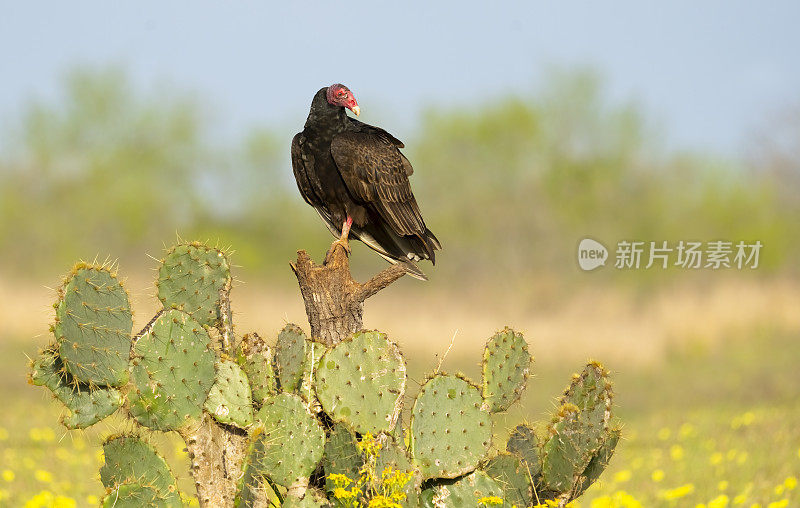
173,371
467,491
314,352
93,326
132,462
255,358
523,443
135,495
290,357
361,382
293,440
86,405
229,400
312,499
341,455
506,364
190,279
591,393
599,461
512,475
569,450
451,429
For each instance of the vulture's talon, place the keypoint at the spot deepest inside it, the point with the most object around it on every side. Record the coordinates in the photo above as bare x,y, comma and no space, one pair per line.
343,243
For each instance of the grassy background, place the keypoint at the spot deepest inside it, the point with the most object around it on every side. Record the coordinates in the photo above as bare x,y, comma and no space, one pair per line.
705,415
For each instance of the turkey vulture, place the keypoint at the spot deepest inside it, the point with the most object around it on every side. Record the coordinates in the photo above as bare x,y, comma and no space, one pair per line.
355,177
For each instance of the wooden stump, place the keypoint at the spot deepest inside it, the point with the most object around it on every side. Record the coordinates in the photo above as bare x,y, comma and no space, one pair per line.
334,301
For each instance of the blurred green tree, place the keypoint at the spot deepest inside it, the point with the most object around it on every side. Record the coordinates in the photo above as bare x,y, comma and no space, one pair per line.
510,188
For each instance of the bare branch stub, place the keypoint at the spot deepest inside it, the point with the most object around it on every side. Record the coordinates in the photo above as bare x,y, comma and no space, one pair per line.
334,301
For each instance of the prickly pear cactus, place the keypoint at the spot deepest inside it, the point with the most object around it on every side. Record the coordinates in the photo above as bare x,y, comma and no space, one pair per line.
230,399
361,382
289,421
290,357
93,326
450,427
86,405
506,364
133,471
172,372
293,440
255,358
191,278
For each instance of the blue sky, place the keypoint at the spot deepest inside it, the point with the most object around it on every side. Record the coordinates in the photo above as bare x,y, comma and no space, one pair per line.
710,73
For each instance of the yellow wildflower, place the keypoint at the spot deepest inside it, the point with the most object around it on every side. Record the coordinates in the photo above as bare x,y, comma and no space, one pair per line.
676,452
678,492
657,475
722,485
8,475
45,434
715,459
783,503
790,483
622,476
622,499
602,502
718,502
686,430
64,502
490,501
340,480
43,476
43,499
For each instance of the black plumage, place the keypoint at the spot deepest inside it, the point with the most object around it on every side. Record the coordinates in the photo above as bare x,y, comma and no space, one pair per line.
346,168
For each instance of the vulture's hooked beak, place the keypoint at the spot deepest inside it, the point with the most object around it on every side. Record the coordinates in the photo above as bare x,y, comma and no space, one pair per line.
356,110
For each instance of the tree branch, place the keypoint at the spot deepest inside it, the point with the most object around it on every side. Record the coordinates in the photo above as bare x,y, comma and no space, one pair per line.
380,281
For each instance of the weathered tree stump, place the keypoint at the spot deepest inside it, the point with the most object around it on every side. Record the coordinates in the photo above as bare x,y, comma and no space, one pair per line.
334,301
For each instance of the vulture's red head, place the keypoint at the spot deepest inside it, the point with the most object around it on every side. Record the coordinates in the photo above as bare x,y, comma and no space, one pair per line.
340,95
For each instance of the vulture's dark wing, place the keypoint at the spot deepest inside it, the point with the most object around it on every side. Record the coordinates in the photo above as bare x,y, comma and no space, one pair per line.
308,181
375,173
357,126
303,167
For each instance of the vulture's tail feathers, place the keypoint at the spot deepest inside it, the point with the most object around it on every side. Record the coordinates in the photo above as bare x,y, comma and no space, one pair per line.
405,250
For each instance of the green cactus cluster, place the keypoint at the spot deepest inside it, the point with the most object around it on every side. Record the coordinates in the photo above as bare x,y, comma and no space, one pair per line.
311,417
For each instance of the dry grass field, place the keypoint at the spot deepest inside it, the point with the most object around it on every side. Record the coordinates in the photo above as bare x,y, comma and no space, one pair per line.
706,384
